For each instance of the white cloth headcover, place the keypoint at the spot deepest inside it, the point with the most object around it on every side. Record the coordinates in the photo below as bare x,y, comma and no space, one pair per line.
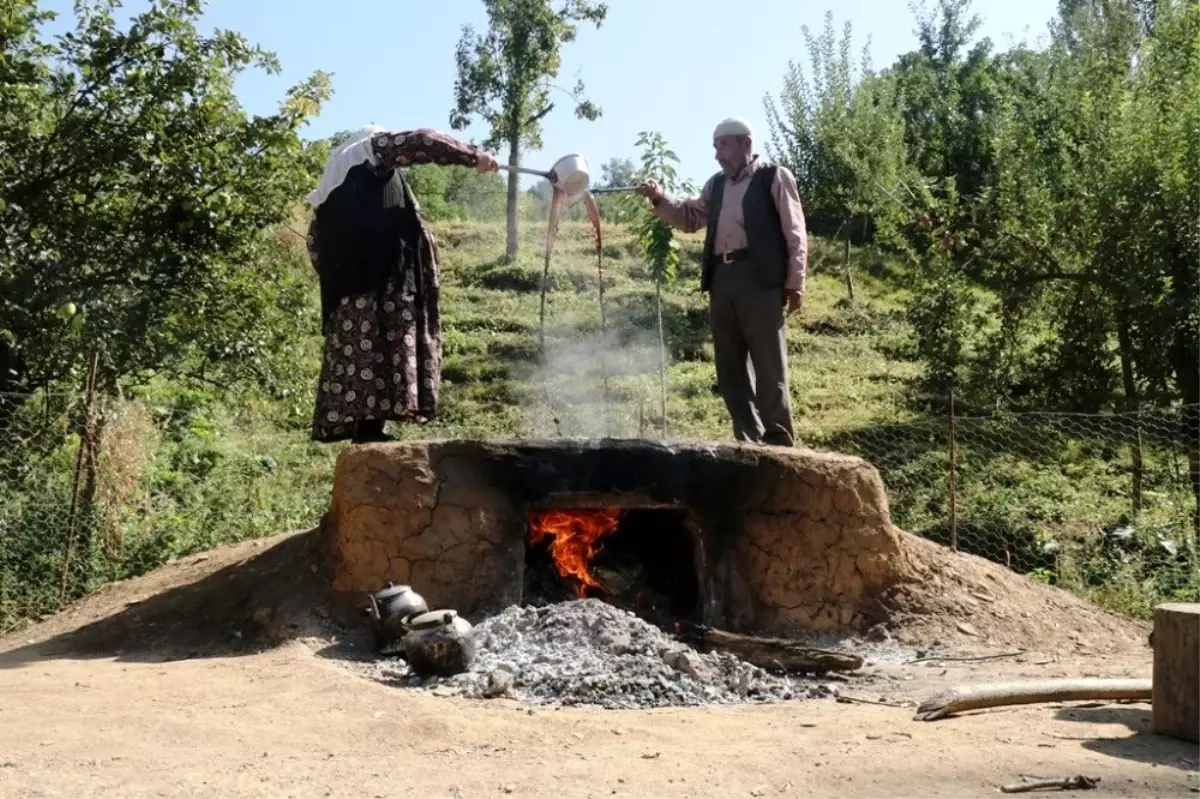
734,126
345,157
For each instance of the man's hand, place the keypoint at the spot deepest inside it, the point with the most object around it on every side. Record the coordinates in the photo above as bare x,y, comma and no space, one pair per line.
651,191
792,300
486,164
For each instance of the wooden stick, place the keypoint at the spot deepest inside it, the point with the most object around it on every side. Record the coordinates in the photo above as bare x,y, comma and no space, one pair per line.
1079,783
770,653
948,659
952,476
858,700
978,697
85,445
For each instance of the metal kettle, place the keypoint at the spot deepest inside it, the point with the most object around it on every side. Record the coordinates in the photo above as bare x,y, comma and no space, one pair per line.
389,608
439,643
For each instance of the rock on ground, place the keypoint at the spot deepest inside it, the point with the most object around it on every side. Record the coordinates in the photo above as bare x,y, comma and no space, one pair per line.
587,652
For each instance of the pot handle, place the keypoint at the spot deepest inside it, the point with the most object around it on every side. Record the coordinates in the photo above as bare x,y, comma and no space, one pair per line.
527,171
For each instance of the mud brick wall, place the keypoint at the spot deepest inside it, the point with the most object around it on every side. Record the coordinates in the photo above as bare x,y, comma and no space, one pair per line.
789,539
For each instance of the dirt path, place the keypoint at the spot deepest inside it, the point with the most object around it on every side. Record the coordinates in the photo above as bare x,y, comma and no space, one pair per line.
77,719
288,723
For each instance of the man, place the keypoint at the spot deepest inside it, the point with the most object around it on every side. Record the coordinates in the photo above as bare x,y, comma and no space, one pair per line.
754,265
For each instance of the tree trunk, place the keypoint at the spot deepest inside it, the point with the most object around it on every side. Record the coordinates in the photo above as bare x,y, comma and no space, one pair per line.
514,193
849,276
10,373
1176,681
1132,406
1191,424
1027,692
662,361
82,504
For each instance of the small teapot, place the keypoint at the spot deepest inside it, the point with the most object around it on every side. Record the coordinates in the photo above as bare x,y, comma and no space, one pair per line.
439,643
389,608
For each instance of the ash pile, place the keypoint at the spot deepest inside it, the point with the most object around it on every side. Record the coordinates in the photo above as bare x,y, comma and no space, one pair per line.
588,652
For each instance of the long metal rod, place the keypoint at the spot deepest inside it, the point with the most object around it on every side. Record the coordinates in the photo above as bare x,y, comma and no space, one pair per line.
525,170
612,189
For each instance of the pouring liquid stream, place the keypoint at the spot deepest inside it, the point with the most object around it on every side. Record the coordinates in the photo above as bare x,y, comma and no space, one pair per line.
558,199
594,215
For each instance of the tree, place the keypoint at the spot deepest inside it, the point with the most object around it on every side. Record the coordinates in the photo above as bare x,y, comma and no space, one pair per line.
948,95
618,172
505,78
842,136
137,203
657,239
134,192
1083,227
479,197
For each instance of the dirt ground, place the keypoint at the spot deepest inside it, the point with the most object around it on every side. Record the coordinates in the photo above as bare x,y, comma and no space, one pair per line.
89,708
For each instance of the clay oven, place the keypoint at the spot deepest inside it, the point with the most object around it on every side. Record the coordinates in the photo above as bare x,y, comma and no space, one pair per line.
742,537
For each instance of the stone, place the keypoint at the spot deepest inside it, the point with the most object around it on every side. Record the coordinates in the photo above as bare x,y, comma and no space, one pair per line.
689,663
880,634
500,682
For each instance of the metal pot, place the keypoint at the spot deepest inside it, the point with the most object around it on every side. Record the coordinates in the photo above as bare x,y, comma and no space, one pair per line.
389,608
569,174
439,643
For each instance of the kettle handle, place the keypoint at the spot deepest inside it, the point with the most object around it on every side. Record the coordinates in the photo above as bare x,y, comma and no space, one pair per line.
373,610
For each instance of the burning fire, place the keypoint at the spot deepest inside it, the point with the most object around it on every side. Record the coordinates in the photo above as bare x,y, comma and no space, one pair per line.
574,536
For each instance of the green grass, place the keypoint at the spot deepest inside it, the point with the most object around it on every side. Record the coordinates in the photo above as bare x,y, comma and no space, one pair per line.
194,469
848,363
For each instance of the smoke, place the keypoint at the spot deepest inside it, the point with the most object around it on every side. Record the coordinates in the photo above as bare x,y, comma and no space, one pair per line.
568,394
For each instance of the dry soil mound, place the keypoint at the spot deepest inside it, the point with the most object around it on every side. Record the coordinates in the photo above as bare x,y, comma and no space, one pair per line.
256,594
970,600
231,600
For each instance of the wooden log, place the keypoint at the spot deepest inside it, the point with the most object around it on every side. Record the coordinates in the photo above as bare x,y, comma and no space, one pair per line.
1028,692
769,653
1176,711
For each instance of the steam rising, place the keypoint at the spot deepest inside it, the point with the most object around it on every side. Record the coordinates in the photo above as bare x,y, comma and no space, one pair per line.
569,384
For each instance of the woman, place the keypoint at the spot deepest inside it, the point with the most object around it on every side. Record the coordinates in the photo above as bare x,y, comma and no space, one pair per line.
377,263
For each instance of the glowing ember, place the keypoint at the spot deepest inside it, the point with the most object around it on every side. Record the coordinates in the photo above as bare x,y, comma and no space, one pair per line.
574,537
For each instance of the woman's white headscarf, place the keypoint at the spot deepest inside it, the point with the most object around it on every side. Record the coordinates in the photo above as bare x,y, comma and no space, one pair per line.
345,157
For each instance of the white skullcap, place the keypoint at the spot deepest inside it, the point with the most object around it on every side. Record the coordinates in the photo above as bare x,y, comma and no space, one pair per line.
734,126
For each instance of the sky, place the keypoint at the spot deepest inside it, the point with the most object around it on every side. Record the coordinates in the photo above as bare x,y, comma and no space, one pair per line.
393,63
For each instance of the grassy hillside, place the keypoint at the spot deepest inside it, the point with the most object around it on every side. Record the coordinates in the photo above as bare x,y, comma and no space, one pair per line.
184,470
494,387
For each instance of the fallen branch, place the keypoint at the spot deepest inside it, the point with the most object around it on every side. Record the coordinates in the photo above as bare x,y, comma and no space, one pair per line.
948,659
1079,783
769,653
857,700
978,697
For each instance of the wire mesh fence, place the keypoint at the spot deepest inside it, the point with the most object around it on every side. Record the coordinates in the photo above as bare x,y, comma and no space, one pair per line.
41,521
1103,505
94,489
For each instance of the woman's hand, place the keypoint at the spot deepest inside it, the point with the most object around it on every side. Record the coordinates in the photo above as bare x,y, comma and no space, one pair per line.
486,164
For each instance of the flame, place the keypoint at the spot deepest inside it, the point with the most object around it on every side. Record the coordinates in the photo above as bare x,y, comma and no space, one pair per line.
574,536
